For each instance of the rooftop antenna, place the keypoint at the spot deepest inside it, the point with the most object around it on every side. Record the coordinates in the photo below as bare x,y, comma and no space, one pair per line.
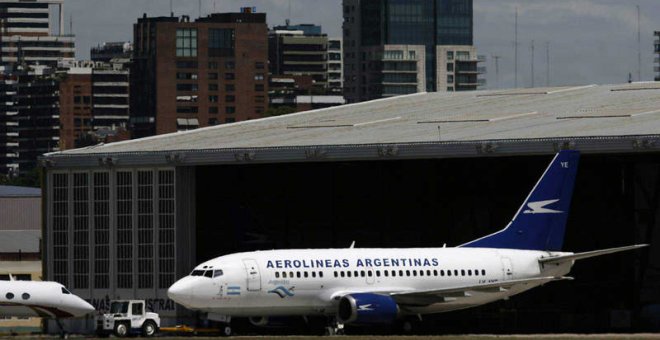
532,63
71,24
289,19
547,64
515,46
215,10
497,70
171,8
639,45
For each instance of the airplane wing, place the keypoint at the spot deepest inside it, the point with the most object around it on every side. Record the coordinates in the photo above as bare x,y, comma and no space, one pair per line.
427,297
556,260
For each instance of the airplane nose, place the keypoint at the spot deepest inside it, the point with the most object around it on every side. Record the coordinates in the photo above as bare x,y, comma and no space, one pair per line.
181,292
82,308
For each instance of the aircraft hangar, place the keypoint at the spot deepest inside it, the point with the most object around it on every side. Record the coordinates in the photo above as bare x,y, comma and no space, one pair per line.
125,220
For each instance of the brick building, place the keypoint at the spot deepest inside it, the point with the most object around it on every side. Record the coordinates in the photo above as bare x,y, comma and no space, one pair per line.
187,74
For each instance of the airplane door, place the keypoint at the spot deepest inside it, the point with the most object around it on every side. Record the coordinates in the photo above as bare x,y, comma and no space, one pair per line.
507,269
253,276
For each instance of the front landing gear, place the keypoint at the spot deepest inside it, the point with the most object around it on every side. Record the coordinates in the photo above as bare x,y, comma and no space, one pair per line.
226,330
63,333
334,328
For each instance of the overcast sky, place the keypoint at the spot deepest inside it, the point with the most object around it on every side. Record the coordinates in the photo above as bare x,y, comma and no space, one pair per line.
591,41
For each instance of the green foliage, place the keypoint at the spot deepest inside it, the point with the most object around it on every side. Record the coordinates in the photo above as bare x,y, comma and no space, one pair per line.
278,111
29,179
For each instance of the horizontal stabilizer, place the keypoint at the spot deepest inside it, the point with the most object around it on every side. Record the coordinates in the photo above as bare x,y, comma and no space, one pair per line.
579,256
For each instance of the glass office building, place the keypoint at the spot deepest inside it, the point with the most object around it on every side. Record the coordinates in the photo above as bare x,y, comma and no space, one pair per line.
417,22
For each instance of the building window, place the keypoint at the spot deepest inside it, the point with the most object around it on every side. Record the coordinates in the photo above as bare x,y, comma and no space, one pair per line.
60,207
186,64
145,229
213,109
124,230
450,79
186,42
230,99
213,65
186,87
213,99
230,65
259,65
259,87
450,67
213,76
259,110
230,76
259,99
213,87
450,55
221,42
259,76
230,88
81,230
101,219
230,110
186,76
232,120
186,109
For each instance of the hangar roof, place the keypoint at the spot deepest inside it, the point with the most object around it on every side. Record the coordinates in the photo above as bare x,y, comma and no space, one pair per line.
607,118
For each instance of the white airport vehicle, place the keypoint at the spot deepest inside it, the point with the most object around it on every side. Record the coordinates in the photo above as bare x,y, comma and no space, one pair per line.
374,286
127,317
41,299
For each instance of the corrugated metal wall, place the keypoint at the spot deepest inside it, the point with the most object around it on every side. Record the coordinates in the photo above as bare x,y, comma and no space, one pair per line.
20,213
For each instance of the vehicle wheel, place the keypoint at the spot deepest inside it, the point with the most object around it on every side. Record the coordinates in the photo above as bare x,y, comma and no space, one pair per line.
121,330
149,329
226,330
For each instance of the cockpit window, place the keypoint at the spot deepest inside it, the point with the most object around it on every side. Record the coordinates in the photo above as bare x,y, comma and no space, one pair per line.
208,273
65,291
217,272
197,272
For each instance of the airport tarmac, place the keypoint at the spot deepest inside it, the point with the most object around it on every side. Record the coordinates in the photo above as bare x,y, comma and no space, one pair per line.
645,336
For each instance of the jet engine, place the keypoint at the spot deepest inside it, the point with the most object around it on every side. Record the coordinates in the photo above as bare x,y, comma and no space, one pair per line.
367,308
269,322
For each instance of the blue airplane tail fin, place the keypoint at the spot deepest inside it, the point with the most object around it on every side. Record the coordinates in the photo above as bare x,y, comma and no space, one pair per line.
540,222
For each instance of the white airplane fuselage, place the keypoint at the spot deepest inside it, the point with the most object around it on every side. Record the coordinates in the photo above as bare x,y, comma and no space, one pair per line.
40,299
310,282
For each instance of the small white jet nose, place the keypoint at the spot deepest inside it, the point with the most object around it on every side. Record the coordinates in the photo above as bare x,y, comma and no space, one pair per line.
181,292
81,307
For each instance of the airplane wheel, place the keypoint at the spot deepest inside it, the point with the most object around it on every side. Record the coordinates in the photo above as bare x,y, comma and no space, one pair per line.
226,330
329,331
149,329
121,330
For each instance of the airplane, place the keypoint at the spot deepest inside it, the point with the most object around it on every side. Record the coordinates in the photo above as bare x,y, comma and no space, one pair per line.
380,286
43,299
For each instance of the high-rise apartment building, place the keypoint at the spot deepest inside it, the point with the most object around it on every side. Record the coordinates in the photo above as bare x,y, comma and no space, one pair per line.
394,47
335,66
30,50
187,74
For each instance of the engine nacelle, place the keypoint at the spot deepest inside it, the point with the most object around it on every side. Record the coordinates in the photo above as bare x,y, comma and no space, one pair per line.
269,322
367,308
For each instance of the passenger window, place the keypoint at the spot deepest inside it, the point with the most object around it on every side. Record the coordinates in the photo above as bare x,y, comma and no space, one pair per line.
137,309
414,273
336,274
362,273
342,273
305,274
9,296
421,273
320,274
449,273
277,275
442,272
394,273
356,273
313,274
469,272
284,275
400,272
455,272
291,275
385,272
369,273
378,273
298,274
217,272
25,296
348,273
483,272
476,272
462,272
